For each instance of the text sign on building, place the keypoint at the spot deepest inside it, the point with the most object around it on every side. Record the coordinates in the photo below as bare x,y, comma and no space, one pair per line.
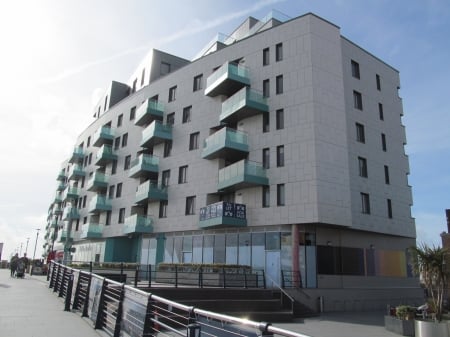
223,209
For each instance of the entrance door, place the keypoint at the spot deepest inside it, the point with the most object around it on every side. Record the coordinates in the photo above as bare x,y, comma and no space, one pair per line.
272,268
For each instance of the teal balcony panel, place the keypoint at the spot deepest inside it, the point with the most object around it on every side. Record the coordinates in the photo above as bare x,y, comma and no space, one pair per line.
58,198
100,203
138,224
104,135
76,172
226,80
57,210
77,155
243,104
61,175
70,213
223,214
156,133
91,231
54,223
70,193
61,187
240,175
227,144
145,165
150,191
98,182
149,111
105,155
63,236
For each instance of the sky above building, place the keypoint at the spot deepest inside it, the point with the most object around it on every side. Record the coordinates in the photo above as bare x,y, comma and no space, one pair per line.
58,56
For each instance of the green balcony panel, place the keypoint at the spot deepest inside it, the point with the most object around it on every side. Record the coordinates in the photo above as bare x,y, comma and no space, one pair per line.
91,231
61,187
105,155
104,135
61,175
156,133
226,80
63,236
150,191
57,210
138,224
70,213
70,193
240,175
145,165
227,144
77,155
98,182
100,203
223,214
76,172
58,198
243,104
54,223
149,111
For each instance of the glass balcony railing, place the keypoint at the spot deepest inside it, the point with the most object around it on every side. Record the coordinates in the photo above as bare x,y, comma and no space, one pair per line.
226,80
70,213
63,236
61,175
225,143
149,111
105,155
223,214
243,104
150,191
100,203
138,224
242,174
156,133
77,155
144,165
91,231
58,197
70,193
98,182
61,187
76,172
104,135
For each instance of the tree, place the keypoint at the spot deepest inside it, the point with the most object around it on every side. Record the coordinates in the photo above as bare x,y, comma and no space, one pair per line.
430,264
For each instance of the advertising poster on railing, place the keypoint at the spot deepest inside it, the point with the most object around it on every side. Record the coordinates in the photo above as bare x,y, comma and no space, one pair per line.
94,297
133,313
75,282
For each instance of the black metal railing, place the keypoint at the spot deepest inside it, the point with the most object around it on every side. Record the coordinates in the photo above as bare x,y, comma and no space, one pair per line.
290,279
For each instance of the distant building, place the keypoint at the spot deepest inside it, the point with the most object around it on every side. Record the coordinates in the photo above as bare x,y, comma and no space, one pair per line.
280,146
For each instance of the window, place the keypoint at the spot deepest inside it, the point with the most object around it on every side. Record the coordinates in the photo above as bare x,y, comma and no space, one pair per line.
190,205
108,218
362,164
127,162
279,84
122,215
119,190
389,208
106,103
111,191
165,178
119,120
132,113
279,52
280,119
266,158
77,225
355,69
380,111
357,100
124,139
90,159
386,174
266,88
383,142
266,56
114,167
170,118
84,201
82,181
280,195
378,79
165,68
360,134
266,196
365,203
172,93
187,114
182,174
116,143
198,82
86,161
266,123
163,208
193,141
167,148
88,141
280,156
85,220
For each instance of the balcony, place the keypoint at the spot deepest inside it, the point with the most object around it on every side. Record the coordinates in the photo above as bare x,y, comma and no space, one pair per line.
70,193
57,209
98,182
243,104
70,213
156,133
61,175
149,111
63,236
91,231
226,80
77,155
240,175
144,166
150,191
100,203
58,198
223,214
76,172
61,187
104,135
227,144
105,155
54,223
138,224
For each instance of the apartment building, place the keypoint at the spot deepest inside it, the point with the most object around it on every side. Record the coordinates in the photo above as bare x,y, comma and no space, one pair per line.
281,147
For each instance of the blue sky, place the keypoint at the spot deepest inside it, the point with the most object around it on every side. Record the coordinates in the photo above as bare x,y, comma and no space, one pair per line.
58,55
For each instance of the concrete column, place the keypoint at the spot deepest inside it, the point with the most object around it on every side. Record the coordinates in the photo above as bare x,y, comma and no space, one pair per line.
296,254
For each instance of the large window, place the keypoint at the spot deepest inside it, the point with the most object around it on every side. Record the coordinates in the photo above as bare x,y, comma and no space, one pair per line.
198,82
355,69
193,141
365,203
362,163
280,156
182,174
190,205
357,100
187,111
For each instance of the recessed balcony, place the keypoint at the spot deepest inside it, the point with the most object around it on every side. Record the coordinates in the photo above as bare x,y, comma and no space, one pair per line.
105,155
77,155
149,111
243,104
138,224
227,144
70,193
98,182
240,175
104,135
223,214
70,213
91,231
76,172
145,165
100,203
156,133
226,80
150,191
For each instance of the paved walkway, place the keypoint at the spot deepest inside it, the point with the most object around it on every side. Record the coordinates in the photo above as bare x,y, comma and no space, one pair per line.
28,308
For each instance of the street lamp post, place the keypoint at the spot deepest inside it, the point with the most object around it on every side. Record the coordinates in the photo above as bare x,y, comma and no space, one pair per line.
26,247
20,251
35,244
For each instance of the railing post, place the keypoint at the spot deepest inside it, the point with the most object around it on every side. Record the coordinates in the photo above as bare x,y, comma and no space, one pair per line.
86,301
245,279
200,277
90,266
224,281
263,328
68,293
149,275
264,279
136,276
283,285
119,312
193,329
176,276
101,304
